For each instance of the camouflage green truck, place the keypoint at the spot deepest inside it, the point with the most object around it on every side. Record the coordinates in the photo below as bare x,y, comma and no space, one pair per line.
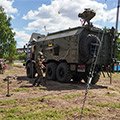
70,53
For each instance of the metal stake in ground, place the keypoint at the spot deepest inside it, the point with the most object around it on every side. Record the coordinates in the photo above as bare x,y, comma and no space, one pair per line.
8,88
7,79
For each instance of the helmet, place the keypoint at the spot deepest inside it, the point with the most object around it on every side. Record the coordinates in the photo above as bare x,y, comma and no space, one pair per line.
40,53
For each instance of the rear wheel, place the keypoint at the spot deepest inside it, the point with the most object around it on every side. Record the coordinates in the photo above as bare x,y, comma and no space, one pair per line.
63,72
95,78
51,71
30,70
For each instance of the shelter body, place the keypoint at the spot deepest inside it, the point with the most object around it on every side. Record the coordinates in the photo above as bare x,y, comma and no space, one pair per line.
69,53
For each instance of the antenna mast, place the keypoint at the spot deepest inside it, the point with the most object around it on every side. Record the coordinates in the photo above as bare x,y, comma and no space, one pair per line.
117,16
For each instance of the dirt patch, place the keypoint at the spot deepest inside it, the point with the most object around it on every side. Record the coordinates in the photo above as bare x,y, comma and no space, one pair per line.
58,101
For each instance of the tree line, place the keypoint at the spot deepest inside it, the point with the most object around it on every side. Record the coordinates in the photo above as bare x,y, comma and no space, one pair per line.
7,41
118,49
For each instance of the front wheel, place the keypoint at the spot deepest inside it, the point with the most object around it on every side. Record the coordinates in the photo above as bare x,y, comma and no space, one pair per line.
30,70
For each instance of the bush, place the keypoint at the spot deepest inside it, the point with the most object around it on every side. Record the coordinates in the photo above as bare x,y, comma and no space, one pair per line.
21,56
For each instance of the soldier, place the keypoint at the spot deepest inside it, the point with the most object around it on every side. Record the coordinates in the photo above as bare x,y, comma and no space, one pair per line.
2,66
39,67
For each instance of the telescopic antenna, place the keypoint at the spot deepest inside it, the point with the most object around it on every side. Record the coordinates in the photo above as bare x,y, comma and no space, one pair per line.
117,16
116,30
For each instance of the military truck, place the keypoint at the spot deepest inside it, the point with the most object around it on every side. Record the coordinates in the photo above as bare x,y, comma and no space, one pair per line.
70,53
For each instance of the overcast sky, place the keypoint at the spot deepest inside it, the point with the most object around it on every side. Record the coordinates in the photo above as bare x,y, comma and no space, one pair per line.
45,16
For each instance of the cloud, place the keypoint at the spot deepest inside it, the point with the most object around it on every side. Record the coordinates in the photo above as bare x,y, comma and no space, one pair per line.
8,6
62,14
22,38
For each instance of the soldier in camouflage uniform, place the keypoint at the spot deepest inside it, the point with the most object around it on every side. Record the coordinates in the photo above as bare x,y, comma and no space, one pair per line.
39,67
2,66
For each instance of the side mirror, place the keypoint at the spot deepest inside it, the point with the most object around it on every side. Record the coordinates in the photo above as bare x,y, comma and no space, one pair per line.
24,48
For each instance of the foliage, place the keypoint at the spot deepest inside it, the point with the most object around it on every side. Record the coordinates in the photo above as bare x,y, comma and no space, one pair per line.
21,56
7,41
118,49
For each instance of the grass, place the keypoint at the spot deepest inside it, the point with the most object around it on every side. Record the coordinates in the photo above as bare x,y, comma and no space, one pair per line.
70,96
20,90
48,114
111,88
111,94
38,109
28,113
110,105
17,65
7,102
7,72
23,113
51,97
27,109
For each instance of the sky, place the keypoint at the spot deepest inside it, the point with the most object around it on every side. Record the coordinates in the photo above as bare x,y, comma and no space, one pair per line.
46,16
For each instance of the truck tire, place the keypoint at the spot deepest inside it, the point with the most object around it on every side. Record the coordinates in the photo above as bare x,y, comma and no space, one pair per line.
85,53
30,70
51,71
63,73
95,78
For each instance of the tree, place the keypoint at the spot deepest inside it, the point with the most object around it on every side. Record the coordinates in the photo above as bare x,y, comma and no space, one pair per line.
118,49
7,41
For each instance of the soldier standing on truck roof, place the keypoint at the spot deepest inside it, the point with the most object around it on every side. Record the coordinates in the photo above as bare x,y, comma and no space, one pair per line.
39,67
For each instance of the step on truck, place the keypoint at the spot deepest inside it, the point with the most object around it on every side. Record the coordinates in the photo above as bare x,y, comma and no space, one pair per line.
70,53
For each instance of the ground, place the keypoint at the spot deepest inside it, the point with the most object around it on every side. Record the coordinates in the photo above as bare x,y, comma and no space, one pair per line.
58,101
